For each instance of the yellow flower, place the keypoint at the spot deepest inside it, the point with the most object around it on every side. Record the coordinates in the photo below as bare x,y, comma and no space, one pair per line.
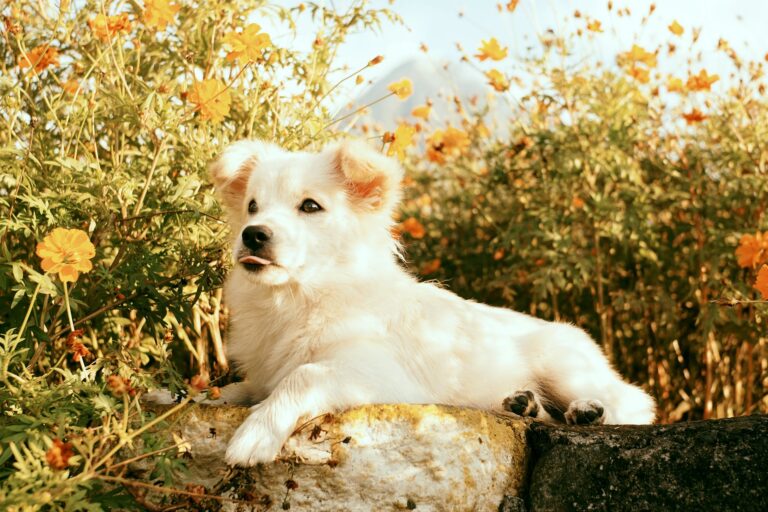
401,89
104,27
594,26
491,50
159,13
251,43
640,74
497,80
39,57
403,138
66,252
752,250
413,227
211,98
675,85
422,111
639,54
449,143
702,81
676,28
761,283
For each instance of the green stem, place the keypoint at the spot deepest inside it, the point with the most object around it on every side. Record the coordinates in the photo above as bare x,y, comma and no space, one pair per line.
69,310
123,440
29,312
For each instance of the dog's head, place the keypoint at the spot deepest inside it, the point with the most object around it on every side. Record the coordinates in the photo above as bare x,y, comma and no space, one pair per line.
307,217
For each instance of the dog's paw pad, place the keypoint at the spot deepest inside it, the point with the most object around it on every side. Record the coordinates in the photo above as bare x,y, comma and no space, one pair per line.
585,412
522,403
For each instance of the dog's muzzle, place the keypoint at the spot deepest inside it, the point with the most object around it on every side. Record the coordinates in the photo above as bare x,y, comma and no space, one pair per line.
256,239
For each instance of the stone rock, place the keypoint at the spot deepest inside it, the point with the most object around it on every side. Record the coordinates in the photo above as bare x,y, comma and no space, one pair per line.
703,465
384,457
438,458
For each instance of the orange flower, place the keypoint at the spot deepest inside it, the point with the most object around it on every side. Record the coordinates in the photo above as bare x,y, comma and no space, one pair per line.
104,27
413,227
497,80
594,26
702,81
211,98
752,250
694,116
79,351
675,85
422,111
491,50
251,43
376,60
642,75
403,138
577,202
159,13
512,5
40,58
119,386
71,86
66,252
430,267
199,382
451,142
499,254
639,54
761,283
401,89
58,454
676,28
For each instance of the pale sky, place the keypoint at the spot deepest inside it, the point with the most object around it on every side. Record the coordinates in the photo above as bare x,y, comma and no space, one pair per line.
438,24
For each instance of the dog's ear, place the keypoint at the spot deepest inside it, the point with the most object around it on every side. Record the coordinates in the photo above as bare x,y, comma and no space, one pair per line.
230,172
372,180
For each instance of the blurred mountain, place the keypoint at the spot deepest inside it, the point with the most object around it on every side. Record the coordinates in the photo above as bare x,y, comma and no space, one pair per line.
436,81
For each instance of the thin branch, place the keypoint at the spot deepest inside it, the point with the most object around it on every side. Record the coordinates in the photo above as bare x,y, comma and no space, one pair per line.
171,490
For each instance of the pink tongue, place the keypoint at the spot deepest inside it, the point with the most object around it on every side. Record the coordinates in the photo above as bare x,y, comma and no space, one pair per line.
254,260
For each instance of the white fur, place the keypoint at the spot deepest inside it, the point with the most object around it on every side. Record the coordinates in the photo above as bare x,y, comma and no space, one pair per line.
338,322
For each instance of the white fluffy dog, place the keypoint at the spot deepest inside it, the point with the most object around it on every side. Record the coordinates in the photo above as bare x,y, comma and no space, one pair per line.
324,317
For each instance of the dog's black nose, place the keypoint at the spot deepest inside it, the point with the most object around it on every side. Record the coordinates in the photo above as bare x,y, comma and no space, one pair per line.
256,237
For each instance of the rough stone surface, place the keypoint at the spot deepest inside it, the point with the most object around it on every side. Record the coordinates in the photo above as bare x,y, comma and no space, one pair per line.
436,458
713,465
385,457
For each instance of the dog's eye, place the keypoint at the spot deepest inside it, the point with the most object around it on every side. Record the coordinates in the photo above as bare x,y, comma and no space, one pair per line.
253,207
310,206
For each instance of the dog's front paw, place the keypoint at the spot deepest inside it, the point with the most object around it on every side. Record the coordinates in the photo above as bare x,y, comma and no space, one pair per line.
253,442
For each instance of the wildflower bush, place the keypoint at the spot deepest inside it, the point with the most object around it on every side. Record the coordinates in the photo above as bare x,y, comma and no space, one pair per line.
624,201
112,246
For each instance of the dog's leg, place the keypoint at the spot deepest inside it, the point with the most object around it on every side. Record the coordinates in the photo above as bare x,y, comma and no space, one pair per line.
365,374
264,431
573,372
